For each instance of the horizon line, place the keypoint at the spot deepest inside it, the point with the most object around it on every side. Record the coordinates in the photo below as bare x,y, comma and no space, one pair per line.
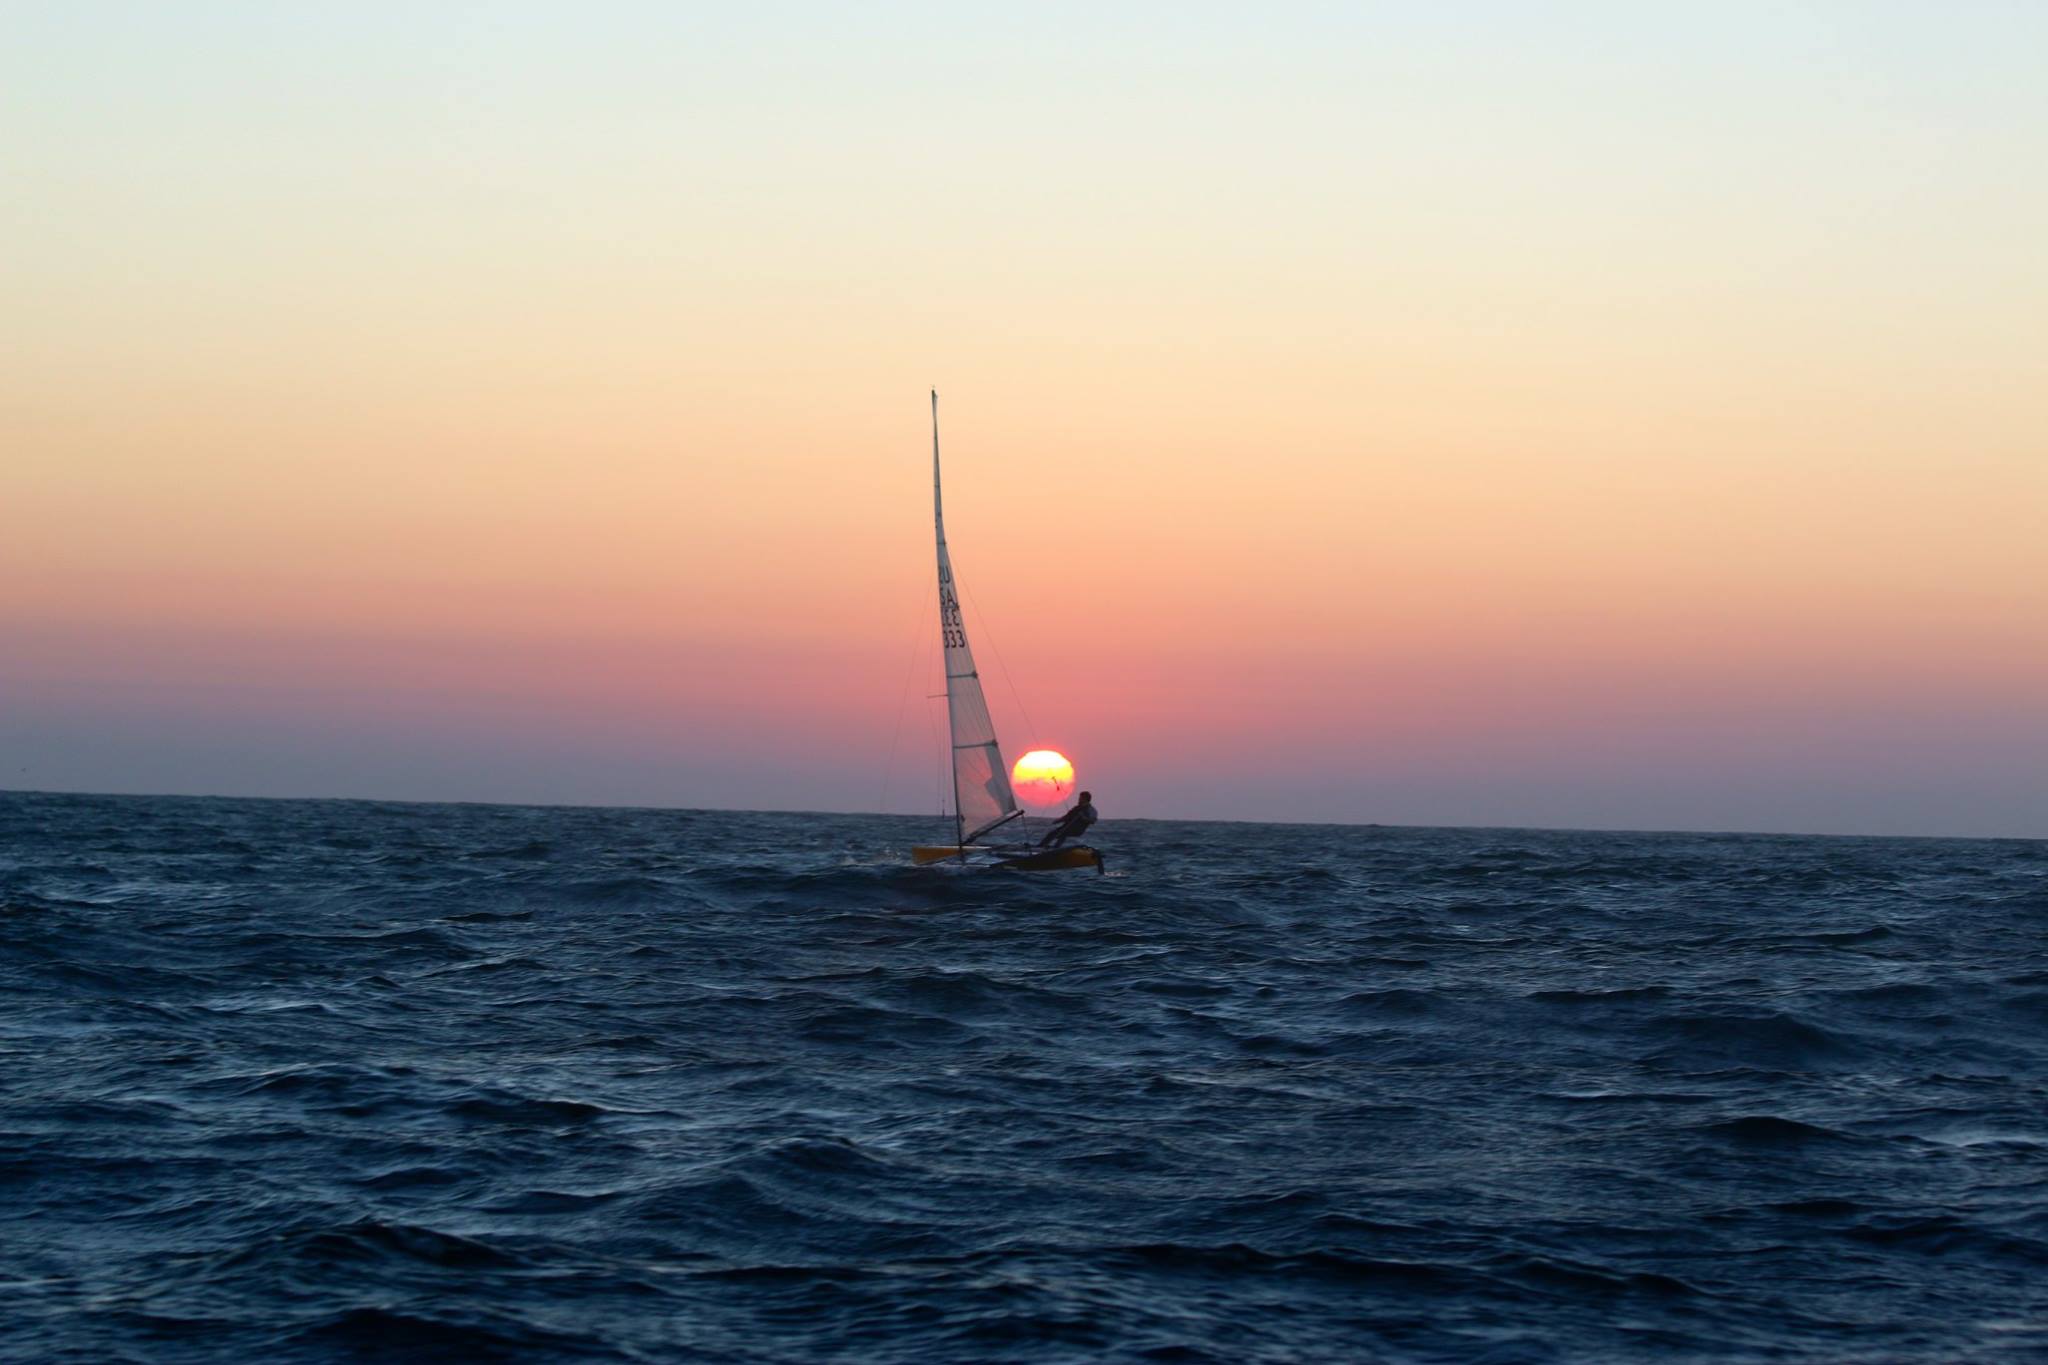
1127,819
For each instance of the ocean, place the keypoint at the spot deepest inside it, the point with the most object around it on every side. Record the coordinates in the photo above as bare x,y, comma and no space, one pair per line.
334,1080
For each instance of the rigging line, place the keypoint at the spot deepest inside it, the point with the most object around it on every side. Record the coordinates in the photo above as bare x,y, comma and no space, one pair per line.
989,636
1015,695
945,768
896,729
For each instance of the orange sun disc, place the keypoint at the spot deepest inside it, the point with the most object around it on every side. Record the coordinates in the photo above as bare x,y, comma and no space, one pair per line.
1042,777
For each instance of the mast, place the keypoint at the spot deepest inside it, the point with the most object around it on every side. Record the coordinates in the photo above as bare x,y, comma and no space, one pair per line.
979,778
945,587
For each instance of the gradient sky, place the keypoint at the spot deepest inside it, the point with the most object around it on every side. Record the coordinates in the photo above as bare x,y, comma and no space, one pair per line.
1570,414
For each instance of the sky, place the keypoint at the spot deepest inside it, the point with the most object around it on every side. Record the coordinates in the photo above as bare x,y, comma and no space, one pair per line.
1567,415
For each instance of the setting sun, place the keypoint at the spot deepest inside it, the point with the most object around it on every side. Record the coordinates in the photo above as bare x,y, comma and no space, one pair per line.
1043,777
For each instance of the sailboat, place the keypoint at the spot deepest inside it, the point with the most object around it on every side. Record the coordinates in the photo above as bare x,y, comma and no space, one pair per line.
982,799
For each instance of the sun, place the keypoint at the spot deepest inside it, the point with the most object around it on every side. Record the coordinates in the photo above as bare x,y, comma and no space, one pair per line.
1043,777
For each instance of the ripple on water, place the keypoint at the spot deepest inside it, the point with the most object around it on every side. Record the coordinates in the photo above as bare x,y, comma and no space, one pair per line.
324,1081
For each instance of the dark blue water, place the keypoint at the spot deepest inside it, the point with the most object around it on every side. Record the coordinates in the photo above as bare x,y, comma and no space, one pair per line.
313,1081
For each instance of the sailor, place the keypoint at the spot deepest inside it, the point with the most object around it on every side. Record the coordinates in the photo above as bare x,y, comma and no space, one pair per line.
1073,824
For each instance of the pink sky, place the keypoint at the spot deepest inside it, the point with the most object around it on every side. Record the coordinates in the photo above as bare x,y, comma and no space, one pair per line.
1451,431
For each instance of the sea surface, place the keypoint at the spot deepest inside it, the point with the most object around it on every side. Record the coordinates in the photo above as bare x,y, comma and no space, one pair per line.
326,1080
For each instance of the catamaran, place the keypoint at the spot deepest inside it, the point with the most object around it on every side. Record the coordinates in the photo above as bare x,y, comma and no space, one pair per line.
982,799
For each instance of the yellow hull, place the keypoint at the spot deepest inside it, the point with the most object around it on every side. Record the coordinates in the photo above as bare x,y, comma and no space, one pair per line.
923,854
1050,860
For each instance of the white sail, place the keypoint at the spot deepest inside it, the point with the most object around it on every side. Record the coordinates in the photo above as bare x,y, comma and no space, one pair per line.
982,798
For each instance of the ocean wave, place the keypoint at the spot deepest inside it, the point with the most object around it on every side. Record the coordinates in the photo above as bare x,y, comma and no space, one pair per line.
342,1080
1767,1041
388,1334
1771,1130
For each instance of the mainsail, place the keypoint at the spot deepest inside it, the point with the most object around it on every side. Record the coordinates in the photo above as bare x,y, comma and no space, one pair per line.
981,784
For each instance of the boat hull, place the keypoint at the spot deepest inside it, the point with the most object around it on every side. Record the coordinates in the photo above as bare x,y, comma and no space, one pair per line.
1016,859
1054,859
947,853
